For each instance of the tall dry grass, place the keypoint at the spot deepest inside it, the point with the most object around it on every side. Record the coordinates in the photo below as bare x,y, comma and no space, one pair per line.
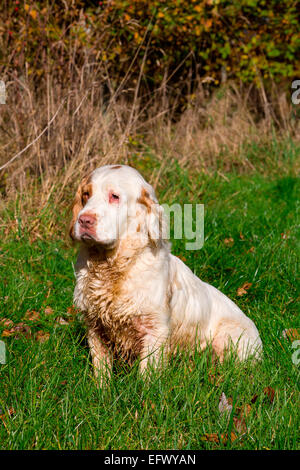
50,136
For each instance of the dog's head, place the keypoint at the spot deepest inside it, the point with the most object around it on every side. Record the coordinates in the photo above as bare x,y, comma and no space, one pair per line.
115,203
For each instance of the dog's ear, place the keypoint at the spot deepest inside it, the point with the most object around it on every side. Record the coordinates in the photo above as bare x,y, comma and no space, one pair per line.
154,213
76,208
79,201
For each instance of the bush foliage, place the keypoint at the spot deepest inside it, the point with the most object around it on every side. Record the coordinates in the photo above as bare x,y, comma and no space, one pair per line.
213,40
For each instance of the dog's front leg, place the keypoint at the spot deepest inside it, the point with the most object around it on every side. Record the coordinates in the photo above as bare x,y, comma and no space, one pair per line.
102,360
155,349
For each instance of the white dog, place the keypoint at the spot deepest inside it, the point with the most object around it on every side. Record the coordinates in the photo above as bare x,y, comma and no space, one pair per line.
139,299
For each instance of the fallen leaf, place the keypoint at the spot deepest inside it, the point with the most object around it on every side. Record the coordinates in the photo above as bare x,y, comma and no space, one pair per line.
224,437
32,315
48,311
270,392
240,424
42,336
7,333
254,398
213,437
72,310
242,236
251,250
11,412
21,329
291,333
229,241
243,290
7,322
247,409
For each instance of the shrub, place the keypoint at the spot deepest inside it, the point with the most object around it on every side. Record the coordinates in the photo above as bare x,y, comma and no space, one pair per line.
252,40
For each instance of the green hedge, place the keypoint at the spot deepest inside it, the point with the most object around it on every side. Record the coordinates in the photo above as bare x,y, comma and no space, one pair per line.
249,39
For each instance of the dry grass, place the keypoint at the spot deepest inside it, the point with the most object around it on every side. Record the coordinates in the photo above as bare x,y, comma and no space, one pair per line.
91,127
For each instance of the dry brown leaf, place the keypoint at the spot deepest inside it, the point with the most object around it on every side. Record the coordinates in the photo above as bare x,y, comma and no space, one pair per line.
32,315
240,425
7,333
291,333
212,437
242,236
243,290
224,437
21,329
7,323
254,398
247,409
11,411
270,392
48,310
73,311
42,336
251,250
229,241
244,411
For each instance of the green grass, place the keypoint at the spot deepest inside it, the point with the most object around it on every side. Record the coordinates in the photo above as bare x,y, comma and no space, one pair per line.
49,387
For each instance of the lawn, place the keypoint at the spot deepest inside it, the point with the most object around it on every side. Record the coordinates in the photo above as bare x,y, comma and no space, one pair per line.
48,396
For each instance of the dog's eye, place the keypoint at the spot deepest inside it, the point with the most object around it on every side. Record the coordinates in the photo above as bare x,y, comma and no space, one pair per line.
113,198
85,196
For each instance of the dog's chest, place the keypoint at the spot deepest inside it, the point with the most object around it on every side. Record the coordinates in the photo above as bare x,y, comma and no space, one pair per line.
111,311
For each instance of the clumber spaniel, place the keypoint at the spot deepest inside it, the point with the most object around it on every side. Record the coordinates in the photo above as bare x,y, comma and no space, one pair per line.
138,299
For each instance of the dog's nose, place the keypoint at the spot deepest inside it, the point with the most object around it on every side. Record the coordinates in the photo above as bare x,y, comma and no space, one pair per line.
87,220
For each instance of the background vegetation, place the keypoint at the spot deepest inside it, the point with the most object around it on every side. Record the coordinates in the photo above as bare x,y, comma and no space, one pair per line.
197,96
248,39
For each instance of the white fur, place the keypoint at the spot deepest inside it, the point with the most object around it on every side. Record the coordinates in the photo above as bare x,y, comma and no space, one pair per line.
184,311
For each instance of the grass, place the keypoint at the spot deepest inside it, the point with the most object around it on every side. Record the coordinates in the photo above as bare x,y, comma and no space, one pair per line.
48,395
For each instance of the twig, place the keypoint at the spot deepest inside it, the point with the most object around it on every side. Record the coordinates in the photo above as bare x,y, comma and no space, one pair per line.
35,140
46,128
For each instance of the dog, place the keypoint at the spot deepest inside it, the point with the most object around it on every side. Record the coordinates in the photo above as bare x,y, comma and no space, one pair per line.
139,301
